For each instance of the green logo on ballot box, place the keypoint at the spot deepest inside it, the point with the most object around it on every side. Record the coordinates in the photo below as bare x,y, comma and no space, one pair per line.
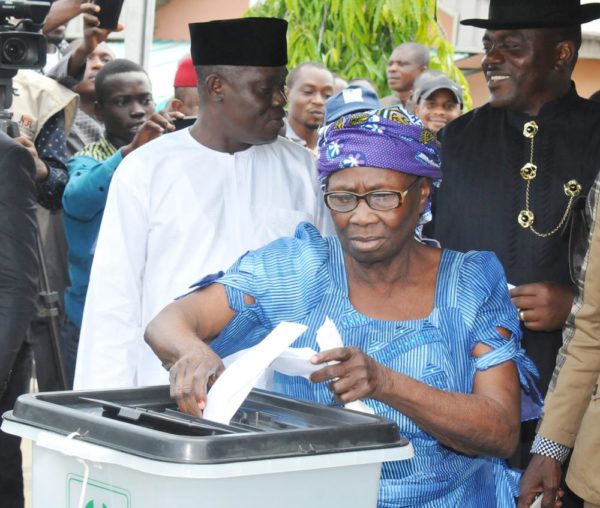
97,494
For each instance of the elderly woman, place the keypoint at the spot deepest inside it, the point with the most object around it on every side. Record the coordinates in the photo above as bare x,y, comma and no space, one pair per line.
431,337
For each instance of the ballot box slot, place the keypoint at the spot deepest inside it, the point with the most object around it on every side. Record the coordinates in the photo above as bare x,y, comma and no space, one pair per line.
172,422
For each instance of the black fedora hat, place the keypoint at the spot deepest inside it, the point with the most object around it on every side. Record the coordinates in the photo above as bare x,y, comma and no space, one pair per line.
515,14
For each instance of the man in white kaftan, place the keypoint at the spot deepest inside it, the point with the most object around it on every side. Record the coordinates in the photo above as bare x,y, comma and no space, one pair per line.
190,203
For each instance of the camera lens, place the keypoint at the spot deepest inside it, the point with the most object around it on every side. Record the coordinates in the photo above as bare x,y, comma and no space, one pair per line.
14,51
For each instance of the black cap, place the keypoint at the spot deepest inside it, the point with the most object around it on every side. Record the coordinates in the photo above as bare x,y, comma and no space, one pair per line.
516,14
438,83
257,42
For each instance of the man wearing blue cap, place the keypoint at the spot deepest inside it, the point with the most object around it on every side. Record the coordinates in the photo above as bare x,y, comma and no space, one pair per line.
353,99
190,202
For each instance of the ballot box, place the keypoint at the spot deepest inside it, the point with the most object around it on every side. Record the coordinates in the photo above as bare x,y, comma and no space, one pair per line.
133,449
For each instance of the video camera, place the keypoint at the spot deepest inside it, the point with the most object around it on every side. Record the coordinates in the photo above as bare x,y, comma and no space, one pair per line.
21,47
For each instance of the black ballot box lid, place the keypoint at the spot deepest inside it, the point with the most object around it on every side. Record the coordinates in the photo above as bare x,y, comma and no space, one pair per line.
145,422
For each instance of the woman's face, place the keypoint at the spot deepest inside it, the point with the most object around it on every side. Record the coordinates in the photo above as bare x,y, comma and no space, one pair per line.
372,236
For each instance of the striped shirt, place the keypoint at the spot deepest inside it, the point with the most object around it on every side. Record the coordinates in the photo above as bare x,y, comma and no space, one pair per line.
101,150
303,279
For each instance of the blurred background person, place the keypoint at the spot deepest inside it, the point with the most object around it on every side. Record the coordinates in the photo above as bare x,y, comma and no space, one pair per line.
364,83
339,83
406,62
350,100
77,72
185,90
438,101
309,85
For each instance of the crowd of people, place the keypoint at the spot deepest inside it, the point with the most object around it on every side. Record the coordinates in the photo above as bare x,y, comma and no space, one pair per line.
455,251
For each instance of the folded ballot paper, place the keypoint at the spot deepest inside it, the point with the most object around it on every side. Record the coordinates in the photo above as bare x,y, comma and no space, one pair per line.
328,337
234,384
250,367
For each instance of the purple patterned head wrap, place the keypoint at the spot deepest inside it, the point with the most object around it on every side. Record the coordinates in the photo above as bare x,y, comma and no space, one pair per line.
389,138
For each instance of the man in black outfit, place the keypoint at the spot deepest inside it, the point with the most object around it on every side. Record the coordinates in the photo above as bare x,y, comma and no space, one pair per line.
514,167
18,293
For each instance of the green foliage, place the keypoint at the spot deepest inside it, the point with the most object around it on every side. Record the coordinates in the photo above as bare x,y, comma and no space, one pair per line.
355,38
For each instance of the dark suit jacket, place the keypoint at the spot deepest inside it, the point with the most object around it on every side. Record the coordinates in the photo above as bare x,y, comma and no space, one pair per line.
18,261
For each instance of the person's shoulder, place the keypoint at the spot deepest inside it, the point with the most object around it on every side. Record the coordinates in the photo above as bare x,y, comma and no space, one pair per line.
471,119
99,151
301,253
286,147
388,100
166,144
475,268
36,83
307,240
157,152
587,108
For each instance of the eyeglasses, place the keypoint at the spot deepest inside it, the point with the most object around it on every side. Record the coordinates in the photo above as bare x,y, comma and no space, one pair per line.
380,200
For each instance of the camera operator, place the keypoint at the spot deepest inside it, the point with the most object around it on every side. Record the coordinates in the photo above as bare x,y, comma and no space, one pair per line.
42,110
18,292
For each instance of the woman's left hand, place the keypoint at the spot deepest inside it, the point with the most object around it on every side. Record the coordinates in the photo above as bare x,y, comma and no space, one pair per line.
354,374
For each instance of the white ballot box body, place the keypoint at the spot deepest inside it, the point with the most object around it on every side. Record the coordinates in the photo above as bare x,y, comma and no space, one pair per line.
102,466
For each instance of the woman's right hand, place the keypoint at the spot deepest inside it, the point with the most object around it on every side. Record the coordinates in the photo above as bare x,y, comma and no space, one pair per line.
179,336
192,375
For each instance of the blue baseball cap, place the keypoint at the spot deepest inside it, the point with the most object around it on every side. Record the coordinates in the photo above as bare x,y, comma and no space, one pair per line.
350,100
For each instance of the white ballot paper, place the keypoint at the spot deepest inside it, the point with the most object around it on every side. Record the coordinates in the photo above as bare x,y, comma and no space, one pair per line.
234,384
328,337
295,361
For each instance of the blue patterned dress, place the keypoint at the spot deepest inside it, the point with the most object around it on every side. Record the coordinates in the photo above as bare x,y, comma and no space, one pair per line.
303,279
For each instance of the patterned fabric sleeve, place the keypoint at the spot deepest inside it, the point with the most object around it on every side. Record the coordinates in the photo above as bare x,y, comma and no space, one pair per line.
547,447
51,145
285,278
482,275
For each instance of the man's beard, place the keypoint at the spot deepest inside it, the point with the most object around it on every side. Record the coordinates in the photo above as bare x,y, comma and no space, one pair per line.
312,126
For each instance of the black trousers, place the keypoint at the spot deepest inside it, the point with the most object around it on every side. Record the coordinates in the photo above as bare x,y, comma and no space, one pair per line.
11,471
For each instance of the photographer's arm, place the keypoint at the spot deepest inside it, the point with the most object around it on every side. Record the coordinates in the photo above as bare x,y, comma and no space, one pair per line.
48,152
92,37
63,11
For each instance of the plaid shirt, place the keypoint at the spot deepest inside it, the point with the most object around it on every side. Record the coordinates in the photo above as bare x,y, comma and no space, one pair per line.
542,445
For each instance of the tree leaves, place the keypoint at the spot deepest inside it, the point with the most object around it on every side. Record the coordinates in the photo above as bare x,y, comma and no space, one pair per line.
355,38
